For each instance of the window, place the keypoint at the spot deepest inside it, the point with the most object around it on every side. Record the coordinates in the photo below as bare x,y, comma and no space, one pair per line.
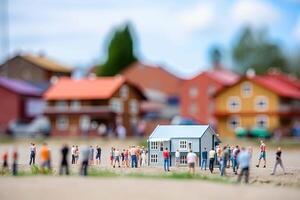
75,105
116,105
124,91
133,106
262,121
62,123
193,108
234,122
154,145
61,105
183,159
193,92
246,89
182,144
234,104
190,145
153,158
84,122
261,103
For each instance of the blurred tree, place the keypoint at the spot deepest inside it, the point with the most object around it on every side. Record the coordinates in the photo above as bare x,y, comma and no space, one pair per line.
120,52
215,57
254,50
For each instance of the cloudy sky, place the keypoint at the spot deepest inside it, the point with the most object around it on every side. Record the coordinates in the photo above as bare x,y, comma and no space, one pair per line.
176,34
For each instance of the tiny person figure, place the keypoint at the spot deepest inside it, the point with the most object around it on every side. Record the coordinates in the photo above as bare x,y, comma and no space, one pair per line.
244,158
211,155
204,159
166,156
191,161
177,158
32,154
64,160
15,163
278,162
262,153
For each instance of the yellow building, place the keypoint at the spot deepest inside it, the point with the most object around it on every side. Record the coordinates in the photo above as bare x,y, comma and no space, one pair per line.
271,101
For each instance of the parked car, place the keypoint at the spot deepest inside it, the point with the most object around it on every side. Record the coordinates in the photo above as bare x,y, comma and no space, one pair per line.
38,126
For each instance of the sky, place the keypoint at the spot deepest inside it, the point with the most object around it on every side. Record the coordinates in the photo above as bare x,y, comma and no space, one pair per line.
174,34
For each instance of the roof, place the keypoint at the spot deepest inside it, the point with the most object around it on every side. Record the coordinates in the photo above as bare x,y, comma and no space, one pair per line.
88,88
222,76
20,87
168,132
281,84
47,63
152,77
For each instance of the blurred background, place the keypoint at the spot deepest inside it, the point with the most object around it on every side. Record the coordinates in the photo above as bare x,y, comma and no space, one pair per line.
94,67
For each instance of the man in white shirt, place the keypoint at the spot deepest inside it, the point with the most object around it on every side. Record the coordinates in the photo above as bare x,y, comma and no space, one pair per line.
191,160
211,156
117,157
177,158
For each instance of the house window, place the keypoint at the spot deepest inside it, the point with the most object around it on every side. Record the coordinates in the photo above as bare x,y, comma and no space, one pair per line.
193,108
84,122
75,105
61,105
62,123
154,145
183,159
234,122
261,103
234,104
117,105
182,144
193,92
190,145
124,91
153,158
262,121
133,106
246,89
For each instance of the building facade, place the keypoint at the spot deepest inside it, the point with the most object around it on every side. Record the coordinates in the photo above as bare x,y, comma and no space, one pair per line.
79,107
19,100
266,102
197,101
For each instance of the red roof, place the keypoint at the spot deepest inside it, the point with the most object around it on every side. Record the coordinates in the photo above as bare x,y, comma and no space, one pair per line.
89,88
279,85
223,76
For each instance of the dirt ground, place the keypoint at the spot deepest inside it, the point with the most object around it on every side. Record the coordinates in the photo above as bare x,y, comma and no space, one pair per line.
262,184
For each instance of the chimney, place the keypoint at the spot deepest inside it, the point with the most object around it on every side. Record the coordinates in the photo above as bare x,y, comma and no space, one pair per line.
250,73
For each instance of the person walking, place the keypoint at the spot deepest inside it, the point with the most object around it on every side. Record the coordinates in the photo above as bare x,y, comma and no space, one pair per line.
85,156
73,154
166,156
32,154
177,158
211,156
98,155
204,159
278,161
244,158
144,157
191,161
64,160
262,154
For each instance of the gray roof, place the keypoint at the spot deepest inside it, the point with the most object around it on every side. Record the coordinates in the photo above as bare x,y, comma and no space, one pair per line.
179,131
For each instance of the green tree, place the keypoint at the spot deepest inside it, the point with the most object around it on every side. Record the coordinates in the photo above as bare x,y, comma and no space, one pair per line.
120,52
254,50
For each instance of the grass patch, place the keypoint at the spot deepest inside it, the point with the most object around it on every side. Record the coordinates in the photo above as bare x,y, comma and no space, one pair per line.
36,170
102,173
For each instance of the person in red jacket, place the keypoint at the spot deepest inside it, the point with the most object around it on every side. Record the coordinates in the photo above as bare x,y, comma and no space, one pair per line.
5,162
166,156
